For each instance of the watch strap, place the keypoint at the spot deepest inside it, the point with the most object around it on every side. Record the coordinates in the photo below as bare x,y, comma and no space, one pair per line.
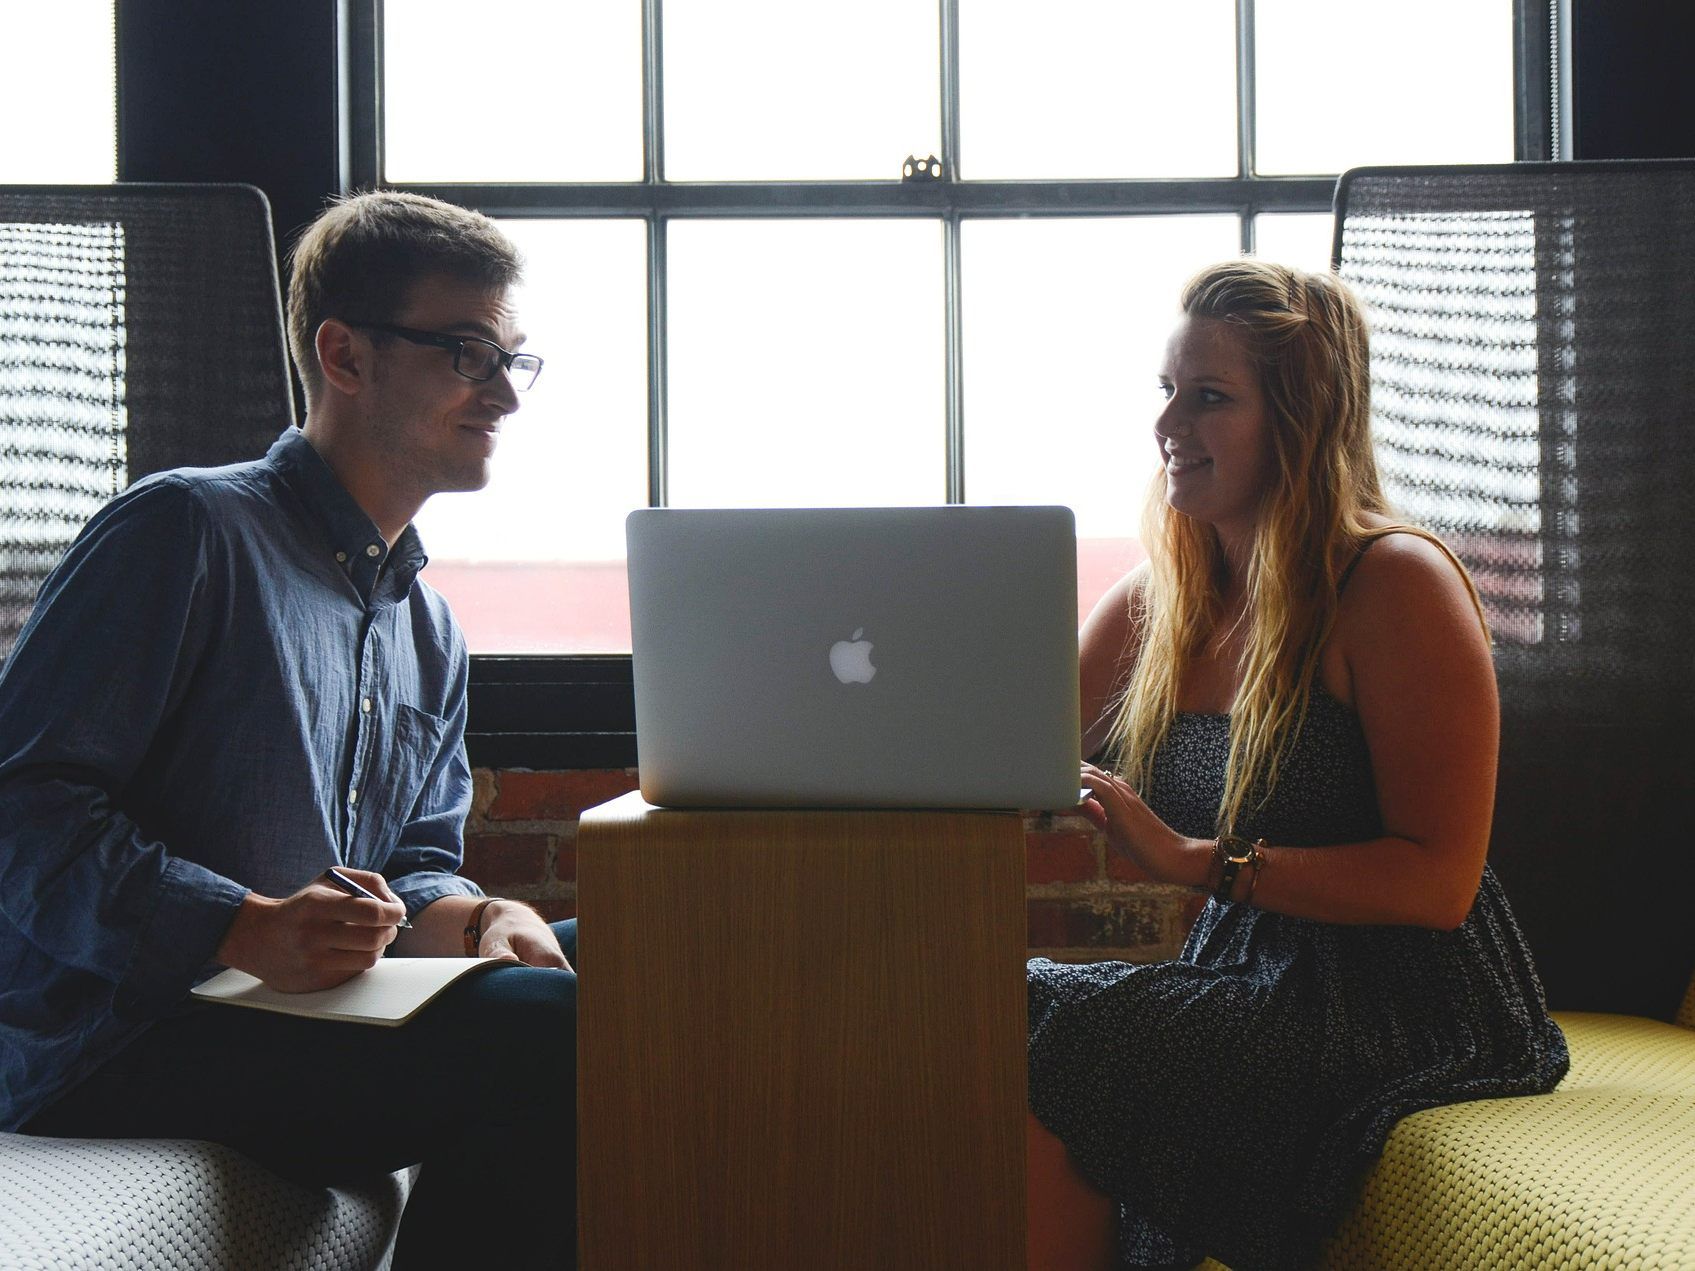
1233,853
474,928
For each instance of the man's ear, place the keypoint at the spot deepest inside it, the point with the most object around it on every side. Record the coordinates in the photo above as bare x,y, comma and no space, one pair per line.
344,358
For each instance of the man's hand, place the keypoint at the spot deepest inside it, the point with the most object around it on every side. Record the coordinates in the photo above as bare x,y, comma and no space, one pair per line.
512,930
315,939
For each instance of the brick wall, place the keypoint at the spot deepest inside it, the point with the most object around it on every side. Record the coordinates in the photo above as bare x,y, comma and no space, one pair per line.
1084,902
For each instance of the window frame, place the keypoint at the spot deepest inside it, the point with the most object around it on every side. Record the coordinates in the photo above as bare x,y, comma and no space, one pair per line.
571,711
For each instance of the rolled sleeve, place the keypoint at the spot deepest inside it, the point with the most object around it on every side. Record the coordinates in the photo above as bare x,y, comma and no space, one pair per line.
81,701
194,910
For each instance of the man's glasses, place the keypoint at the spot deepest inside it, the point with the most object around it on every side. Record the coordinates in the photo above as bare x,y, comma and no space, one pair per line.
473,357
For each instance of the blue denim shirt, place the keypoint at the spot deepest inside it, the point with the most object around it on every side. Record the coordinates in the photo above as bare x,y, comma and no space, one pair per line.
229,682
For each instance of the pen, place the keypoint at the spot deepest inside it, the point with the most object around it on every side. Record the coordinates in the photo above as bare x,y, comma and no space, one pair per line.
352,888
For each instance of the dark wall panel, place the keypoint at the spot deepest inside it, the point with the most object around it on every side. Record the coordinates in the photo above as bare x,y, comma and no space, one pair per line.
210,90
1632,92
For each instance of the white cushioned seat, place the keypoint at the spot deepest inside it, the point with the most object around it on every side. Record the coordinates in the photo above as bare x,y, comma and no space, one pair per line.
146,1204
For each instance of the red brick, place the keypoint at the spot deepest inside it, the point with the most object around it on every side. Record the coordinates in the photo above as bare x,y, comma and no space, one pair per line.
1066,821
1044,924
1060,857
1120,923
482,792
505,860
565,862
556,796
554,908
1121,868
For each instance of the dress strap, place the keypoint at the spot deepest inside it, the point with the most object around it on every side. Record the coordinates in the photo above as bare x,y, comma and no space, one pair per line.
1380,534
1348,573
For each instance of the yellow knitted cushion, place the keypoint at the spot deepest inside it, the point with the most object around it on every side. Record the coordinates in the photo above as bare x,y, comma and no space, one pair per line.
1600,1173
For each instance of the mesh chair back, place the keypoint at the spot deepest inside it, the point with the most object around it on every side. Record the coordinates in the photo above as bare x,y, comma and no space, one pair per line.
140,329
1533,386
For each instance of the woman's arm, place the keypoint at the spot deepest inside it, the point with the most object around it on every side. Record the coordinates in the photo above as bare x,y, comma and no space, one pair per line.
1423,685
1106,651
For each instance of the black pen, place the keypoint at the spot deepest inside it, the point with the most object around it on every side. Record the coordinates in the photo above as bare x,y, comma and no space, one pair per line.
352,888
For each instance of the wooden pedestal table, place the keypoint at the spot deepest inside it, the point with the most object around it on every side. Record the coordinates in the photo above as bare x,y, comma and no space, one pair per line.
801,1040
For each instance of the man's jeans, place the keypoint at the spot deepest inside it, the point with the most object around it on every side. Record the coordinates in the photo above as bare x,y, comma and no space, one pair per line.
480,1087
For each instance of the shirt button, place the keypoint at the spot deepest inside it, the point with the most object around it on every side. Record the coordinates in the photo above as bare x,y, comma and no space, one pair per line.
373,550
365,706
342,557
352,796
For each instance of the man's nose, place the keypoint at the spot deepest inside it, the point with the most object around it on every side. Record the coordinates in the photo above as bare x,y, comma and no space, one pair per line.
499,389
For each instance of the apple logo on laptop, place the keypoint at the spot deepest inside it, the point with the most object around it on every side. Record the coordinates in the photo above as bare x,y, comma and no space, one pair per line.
850,659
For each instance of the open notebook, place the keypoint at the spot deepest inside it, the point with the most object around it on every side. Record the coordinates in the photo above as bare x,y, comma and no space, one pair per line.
390,993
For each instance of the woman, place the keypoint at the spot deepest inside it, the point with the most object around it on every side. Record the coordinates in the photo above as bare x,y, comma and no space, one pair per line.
1296,704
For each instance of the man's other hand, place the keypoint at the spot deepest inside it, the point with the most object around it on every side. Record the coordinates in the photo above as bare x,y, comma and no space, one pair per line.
316,938
512,930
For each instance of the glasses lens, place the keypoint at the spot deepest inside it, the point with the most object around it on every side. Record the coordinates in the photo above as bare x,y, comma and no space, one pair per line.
525,367
478,360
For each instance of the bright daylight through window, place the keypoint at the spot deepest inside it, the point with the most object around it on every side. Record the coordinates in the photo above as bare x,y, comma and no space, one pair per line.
806,345
57,62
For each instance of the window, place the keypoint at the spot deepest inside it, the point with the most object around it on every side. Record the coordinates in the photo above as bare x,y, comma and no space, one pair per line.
60,285
753,288
58,94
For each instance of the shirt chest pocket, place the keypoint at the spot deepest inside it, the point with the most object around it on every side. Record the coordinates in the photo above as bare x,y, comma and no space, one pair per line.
403,759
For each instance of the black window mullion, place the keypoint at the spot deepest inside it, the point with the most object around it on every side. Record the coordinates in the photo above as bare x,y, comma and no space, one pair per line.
1246,161
1540,79
658,354
953,376
658,259
359,77
753,199
653,93
1246,120
954,371
949,15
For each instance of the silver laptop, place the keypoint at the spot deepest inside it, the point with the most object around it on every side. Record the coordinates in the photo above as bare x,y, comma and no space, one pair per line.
856,657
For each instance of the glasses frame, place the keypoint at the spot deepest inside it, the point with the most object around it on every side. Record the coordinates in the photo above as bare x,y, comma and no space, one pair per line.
445,340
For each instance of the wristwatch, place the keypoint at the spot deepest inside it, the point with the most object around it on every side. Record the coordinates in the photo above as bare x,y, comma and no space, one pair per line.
1234,851
474,928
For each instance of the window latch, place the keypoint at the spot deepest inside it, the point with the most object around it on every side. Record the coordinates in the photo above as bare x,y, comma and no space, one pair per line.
916,169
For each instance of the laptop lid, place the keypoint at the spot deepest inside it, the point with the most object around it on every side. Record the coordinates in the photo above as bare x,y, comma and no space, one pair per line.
855,657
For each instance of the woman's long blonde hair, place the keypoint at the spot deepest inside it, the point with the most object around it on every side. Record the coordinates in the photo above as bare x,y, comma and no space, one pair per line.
1305,335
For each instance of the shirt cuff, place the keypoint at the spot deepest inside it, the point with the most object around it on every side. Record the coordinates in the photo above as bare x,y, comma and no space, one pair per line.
192,914
418,891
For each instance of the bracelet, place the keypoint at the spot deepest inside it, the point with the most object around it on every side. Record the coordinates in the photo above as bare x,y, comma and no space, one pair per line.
1258,861
474,928
1234,852
1215,871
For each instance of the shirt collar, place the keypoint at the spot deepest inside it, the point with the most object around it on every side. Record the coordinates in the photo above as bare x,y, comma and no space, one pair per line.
353,537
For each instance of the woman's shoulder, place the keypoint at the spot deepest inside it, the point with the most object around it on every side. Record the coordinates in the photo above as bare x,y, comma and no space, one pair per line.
1397,556
1405,574
1116,617
1107,647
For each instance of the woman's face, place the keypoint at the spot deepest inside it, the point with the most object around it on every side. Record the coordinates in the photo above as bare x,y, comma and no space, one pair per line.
1214,430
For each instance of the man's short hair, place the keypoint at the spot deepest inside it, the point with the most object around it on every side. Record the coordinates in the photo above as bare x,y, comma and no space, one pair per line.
360,259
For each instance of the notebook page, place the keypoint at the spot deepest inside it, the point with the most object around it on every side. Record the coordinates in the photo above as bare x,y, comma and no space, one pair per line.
390,993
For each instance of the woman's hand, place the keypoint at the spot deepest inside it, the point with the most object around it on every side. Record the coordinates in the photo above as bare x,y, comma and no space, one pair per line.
1132,829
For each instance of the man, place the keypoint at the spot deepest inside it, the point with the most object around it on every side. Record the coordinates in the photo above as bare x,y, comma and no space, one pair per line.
235,680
